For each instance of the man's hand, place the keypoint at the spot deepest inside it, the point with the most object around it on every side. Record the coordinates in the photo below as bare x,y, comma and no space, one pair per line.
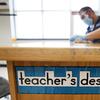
78,39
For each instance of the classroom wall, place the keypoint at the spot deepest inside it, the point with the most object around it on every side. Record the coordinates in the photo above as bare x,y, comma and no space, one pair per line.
5,34
5,28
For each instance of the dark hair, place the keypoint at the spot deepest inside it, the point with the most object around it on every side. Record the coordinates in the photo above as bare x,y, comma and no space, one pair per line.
85,9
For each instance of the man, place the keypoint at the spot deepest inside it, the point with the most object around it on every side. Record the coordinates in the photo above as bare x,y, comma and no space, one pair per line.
93,22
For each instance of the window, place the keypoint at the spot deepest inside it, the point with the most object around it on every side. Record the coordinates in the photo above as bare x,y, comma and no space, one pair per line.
28,25
56,25
27,5
49,19
77,4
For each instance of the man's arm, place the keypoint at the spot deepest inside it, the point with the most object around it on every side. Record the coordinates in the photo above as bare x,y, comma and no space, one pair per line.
93,35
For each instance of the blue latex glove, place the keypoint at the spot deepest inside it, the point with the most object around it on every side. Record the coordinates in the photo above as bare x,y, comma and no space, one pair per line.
78,37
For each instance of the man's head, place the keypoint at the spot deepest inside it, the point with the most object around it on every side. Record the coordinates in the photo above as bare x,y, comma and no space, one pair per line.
88,15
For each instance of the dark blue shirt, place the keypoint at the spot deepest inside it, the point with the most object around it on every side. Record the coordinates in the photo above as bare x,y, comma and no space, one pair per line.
92,28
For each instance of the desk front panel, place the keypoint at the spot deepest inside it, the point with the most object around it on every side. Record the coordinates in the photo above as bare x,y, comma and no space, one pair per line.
60,80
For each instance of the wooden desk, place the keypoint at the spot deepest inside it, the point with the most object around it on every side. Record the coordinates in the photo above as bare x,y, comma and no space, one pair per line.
48,54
